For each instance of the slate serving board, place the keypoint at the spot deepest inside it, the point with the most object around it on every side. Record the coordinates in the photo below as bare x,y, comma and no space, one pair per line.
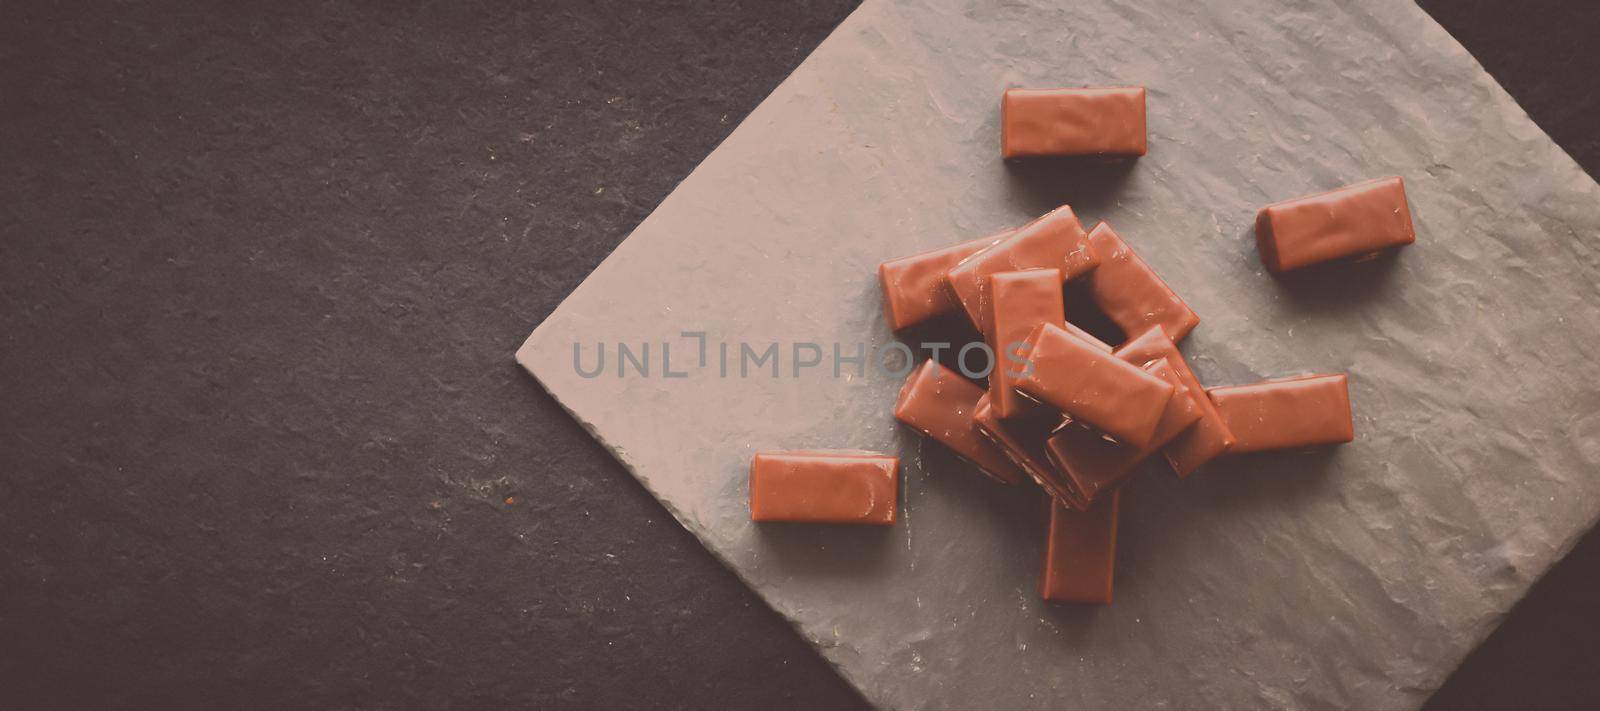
1356,577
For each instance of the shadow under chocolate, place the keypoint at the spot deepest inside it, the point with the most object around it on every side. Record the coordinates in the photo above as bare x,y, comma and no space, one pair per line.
811,550
1089,185
951,328
1082,312
1338,286
1243,483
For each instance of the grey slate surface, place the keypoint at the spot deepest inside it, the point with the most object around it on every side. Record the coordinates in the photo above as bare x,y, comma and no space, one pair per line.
1357,577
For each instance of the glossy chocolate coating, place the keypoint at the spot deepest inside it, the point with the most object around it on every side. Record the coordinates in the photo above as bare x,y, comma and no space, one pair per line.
1357,220
1098,121
939,403
1054,241
1093,387
1209,437
1023,439
1080,552
1019,302
824,487
914,287
1303,411
1129,291
1096,465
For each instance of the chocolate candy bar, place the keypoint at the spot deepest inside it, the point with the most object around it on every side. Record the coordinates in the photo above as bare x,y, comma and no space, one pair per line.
1209,436
1080,552
1019,302
1054,241
940,403
1093,387
914,288
1303,411
824,487
1096,465
1022,439
1100,122
1129,293
1357,220
1106,122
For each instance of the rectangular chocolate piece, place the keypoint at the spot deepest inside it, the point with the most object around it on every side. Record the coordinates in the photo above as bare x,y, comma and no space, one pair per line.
1093,387
939,403
1023,441
1130,293
824,487
1054,241
1100,121
1209,437
1019,302
914,287
1357,220
1303,411
1096,465
1080,552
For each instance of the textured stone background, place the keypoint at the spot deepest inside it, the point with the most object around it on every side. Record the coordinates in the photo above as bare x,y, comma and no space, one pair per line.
260,442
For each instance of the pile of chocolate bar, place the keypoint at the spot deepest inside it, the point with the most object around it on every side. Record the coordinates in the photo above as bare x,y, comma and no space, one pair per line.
1061,408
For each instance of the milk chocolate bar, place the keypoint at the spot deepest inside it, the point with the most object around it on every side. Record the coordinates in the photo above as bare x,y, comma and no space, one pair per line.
1102,121
1080,552
1019,301
1096,465
914,287
1130,293
1093,387
1023,441
1054,241
1303,411
824,487
1361,219
1209,437
940,403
